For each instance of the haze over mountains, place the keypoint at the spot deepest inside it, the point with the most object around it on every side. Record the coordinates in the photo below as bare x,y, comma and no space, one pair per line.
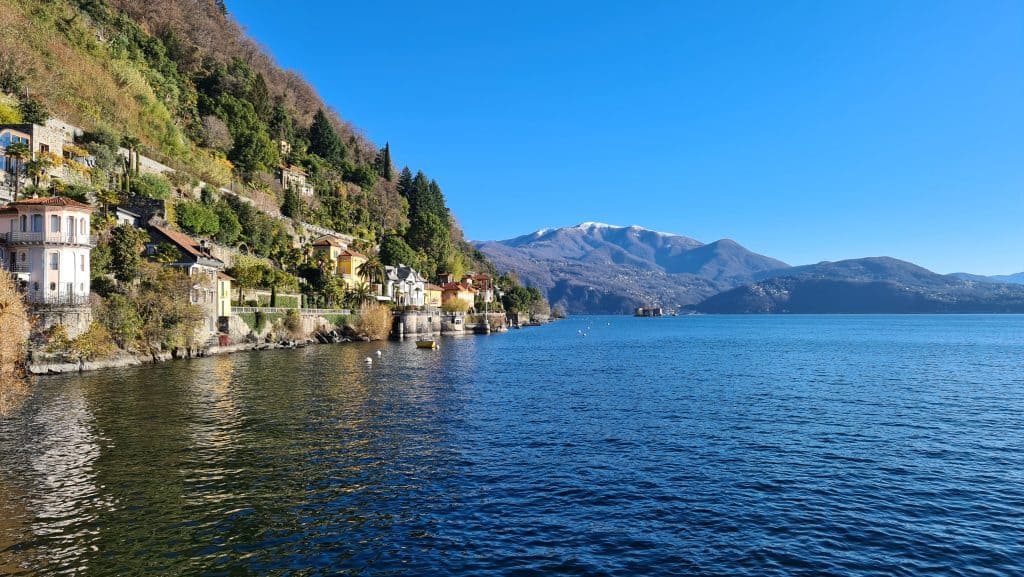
599,268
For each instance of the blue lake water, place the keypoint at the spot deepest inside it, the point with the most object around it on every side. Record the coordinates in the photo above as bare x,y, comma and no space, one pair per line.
771,445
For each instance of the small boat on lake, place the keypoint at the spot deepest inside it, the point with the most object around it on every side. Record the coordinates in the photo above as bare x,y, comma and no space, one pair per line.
426,344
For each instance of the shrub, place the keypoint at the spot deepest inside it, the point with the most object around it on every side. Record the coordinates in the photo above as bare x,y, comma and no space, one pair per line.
455,306
151,186
14,328
374,321
94,343
197,218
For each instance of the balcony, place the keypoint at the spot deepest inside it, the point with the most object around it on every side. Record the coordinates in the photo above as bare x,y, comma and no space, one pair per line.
15,268
57,298
47,238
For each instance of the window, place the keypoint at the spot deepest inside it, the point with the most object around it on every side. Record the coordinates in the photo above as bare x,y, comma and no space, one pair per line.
81,226
23,256
54,223
37,223
71,225
54,261
82,261
24,223
53,286
81,287
35,286
44,147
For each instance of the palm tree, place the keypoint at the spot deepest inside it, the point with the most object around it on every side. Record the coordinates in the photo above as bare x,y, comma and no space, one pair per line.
37,169
372,270
18,153
360,294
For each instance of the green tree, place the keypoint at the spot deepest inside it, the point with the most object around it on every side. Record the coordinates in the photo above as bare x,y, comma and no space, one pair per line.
430,236
228,227
33,111
405,183
197,218
18,153
126,244
372,269
122,320
37,169
324,141
292,205
394,251
359,295
383,162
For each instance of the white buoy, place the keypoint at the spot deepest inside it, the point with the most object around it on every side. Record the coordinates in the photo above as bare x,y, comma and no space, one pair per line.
369,361
378,354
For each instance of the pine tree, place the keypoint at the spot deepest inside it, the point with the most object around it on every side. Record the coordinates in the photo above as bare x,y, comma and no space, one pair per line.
324,141
405,183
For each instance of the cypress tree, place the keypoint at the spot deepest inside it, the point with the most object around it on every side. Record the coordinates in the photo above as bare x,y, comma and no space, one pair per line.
383,162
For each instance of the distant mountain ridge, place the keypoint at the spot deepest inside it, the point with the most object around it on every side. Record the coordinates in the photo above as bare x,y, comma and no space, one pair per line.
867,285
1016,278
601,268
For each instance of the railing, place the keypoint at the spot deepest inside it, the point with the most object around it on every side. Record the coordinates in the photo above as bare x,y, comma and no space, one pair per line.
15,268
239,310
56,298
47,238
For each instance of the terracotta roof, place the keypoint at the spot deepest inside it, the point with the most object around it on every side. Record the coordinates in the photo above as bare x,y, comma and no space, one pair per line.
432,287
184,241
53,201
222,276
456,286
329,241
350,252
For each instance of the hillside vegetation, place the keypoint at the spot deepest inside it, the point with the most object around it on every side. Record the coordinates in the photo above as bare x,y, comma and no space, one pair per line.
179,81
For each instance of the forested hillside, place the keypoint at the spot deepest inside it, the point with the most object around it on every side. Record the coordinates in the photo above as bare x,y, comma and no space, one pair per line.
180,81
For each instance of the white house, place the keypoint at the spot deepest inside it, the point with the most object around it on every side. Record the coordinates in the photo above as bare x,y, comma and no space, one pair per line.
404,286
46,244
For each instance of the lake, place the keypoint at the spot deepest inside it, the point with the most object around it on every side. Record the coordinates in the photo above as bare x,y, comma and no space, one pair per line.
706,445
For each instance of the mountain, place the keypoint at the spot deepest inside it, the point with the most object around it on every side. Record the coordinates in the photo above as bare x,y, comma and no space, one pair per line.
867,285
1017,278
602,268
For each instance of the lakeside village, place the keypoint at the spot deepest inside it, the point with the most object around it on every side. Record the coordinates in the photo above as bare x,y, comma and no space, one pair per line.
112,275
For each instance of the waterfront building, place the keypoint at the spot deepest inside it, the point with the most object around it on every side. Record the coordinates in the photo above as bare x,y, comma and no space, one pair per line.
432,296
195,260
458,291
404,286
46,245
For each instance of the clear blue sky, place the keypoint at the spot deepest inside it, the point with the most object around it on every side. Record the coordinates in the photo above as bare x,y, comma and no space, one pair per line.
806,130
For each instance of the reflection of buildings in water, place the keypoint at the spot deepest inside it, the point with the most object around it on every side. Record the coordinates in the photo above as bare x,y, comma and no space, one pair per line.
64,497
214,424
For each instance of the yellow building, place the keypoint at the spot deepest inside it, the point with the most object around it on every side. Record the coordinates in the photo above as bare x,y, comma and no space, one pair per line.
432,296
329,245
458,291
223,294
349,262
